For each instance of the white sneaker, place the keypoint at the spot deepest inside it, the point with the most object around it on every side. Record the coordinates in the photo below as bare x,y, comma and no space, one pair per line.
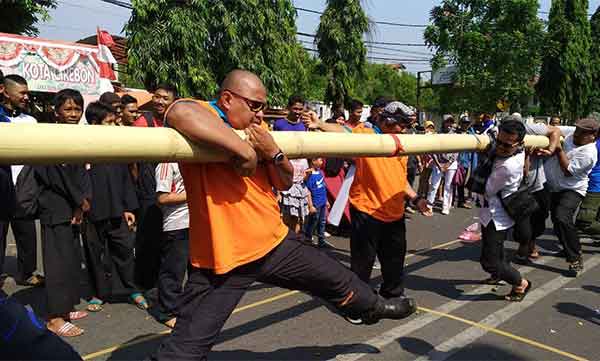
445,212
327,234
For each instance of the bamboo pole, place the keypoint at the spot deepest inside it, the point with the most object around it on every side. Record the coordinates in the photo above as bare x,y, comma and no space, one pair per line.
60,143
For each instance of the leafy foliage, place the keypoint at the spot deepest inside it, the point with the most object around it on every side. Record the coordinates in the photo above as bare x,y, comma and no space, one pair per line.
595,61
341,47
496,46
566,78
195,43
21,16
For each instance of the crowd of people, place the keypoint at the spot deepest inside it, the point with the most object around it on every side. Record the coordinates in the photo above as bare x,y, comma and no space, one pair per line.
142,228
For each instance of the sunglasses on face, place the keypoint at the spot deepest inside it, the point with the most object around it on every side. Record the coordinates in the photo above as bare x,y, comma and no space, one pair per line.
505,145
254,105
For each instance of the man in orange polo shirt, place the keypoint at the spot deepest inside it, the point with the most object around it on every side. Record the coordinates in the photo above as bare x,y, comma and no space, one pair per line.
236,233
377,197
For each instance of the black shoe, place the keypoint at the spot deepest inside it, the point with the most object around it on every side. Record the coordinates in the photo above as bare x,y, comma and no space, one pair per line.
560,254
395,308
575,268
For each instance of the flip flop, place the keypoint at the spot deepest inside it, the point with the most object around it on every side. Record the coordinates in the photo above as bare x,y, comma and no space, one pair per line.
514,296
142,304
94,305
69,330
77,315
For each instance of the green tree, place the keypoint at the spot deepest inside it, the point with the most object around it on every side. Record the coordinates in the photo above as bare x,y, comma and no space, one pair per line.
21,16
495,46
194,45
566,78
341,46
595,60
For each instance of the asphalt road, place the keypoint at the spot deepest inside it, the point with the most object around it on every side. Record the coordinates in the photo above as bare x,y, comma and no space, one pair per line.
459,318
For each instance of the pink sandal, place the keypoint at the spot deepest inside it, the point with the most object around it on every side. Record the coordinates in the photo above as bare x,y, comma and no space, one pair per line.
77,315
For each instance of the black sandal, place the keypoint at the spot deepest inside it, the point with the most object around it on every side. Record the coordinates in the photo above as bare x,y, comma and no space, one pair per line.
515,296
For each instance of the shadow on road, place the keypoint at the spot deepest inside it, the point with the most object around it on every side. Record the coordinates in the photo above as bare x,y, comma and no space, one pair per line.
579,311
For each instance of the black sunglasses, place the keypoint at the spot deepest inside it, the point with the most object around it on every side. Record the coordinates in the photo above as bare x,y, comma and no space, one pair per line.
502,144
254,105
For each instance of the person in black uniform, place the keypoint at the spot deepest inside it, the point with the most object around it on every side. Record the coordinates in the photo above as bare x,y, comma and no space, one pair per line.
65,195
110,240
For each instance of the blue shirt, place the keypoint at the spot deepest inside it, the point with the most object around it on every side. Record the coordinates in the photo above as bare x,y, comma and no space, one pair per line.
594,176
283,125
316,185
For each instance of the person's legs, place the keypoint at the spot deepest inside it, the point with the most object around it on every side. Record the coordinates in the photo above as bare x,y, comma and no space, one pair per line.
147,240
174,250
62,266
321,223
26,240
392,254
563,213
206,303
424,182
98,264
309,226
3,234
120,245
298,266
587,218
436,178
448,190
493,260
363,243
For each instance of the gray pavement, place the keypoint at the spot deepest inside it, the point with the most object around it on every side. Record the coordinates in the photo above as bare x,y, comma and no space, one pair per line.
459,318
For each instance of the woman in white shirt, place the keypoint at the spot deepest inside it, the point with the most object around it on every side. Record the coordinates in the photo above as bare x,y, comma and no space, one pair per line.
504,179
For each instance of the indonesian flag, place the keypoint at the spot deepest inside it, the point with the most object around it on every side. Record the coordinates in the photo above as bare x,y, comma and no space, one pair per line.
105,57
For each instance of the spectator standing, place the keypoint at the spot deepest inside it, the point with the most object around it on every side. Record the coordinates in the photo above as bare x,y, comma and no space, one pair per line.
149,216
317,203
112,99
445,166
14,104
65,194
588,218
567,173
294,201
129,105
109,240
174,243
465,166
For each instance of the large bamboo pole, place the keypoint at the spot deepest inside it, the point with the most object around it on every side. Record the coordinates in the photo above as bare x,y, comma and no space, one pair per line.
59,143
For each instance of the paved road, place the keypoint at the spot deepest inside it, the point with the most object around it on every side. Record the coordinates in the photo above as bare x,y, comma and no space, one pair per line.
459,318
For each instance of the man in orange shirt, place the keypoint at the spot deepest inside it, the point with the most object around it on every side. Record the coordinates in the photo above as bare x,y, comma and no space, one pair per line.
377,198
236,233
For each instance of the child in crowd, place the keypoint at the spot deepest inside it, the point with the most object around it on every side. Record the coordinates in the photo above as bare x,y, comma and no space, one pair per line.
174,243
65,195
110,241
317,202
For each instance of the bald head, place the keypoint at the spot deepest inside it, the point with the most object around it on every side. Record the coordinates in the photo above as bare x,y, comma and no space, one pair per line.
246,84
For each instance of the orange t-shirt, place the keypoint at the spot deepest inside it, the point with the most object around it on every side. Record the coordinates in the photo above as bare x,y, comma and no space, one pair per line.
379,187
234,220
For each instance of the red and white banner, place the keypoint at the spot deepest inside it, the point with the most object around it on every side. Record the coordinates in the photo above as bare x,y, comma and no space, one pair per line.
105,57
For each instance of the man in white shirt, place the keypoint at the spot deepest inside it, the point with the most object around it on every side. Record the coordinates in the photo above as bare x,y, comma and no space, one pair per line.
504,179
14,100
174,245
567,175
529,228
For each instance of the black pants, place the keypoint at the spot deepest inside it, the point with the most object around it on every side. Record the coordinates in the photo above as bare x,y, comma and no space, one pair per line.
26,240
174,250
24,336
147,245
563,207
62,267
493,259
386,240
209,299
109,251
528,229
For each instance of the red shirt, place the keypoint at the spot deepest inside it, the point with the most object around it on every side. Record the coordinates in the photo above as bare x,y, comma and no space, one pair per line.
142,122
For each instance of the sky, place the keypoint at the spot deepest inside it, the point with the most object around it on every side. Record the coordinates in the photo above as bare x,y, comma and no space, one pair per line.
76,19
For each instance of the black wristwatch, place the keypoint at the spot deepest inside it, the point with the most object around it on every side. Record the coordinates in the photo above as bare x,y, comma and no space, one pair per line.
278,157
